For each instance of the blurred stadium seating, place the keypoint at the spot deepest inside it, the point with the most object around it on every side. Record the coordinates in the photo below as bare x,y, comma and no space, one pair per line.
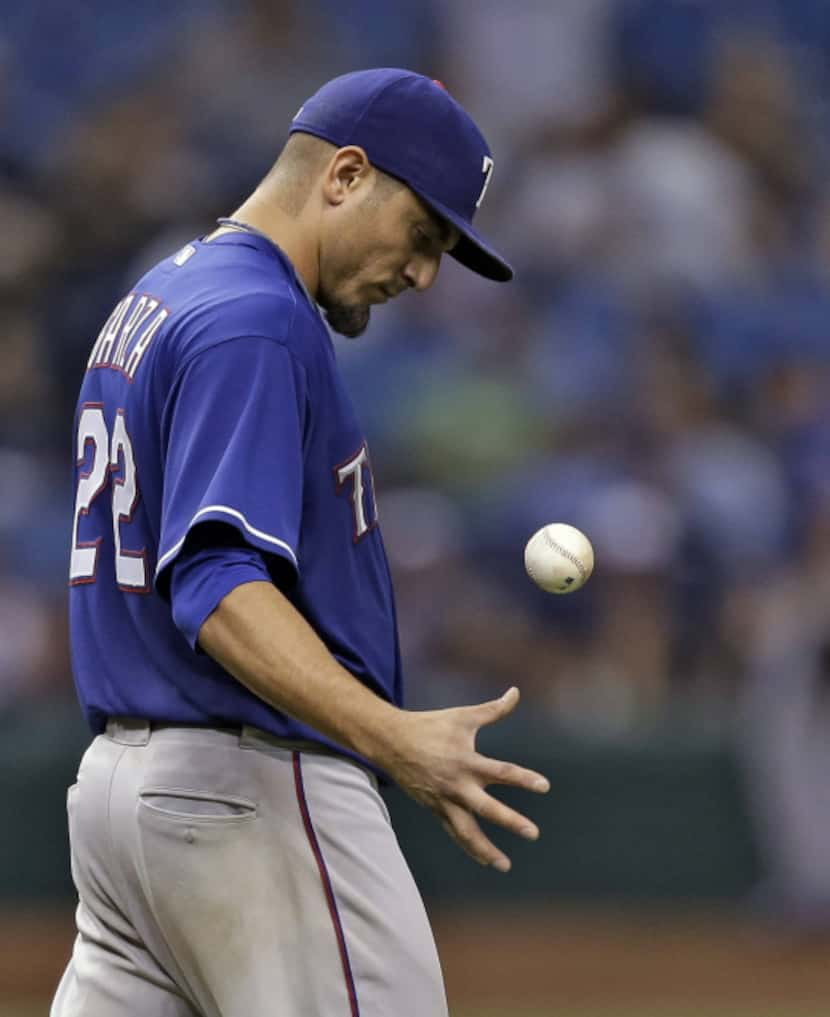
658,374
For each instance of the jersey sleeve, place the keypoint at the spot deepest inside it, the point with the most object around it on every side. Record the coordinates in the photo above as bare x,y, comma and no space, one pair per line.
233,449
202,577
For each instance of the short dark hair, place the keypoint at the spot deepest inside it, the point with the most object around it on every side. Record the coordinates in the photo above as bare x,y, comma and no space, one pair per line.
299,163
303,159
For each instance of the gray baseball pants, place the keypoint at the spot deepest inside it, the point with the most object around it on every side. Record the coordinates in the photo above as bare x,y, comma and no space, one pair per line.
223,874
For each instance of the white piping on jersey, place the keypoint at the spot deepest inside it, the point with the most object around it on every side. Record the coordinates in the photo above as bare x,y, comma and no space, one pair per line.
236,515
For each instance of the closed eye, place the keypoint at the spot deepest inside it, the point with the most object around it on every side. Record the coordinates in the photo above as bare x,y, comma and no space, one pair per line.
425,243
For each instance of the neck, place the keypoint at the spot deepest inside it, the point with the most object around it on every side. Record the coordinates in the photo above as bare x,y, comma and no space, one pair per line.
290,234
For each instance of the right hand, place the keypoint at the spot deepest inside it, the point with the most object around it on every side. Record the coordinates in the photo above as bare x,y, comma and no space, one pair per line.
432,756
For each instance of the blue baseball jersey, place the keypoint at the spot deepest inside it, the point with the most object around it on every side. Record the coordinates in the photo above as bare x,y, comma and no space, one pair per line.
212,395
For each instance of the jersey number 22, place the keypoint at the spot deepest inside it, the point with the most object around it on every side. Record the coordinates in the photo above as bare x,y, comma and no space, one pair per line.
107,454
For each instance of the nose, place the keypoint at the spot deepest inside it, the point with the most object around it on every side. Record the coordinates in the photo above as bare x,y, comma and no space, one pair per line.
420,272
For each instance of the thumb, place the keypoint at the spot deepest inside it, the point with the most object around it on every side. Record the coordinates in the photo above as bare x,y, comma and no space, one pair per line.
492,712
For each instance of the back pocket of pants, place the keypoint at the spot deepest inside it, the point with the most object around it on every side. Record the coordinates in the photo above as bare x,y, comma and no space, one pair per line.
192,806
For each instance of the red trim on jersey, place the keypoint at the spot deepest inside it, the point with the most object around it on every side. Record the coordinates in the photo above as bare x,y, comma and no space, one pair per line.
354,1010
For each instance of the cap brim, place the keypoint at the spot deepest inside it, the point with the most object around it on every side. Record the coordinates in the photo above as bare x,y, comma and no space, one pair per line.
472,250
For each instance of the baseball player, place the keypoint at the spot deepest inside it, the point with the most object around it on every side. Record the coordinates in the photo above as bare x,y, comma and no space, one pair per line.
233,627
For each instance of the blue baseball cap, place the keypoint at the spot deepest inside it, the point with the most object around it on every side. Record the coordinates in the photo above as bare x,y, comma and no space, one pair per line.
411,128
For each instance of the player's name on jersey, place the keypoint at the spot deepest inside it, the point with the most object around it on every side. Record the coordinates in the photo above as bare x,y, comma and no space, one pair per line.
127,334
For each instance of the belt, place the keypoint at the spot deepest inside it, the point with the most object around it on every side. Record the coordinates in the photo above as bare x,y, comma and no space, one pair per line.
138,731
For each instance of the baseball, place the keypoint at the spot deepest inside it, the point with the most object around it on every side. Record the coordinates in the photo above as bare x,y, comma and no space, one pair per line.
559,558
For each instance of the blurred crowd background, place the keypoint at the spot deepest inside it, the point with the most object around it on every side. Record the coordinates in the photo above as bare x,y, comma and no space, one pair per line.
658,374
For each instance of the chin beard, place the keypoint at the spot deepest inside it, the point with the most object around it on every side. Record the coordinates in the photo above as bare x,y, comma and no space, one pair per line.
348,321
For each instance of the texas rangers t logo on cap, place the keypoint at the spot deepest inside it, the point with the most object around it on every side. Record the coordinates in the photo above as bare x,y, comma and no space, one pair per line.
487,168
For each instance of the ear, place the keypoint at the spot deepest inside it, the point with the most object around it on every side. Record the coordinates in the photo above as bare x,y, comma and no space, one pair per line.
348,171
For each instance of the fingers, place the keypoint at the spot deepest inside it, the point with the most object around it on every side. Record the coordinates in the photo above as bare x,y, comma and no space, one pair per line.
457,792
497,771
494,811
461,823
462,826
496,709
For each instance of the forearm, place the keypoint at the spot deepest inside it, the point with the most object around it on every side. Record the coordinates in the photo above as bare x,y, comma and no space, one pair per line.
258,636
